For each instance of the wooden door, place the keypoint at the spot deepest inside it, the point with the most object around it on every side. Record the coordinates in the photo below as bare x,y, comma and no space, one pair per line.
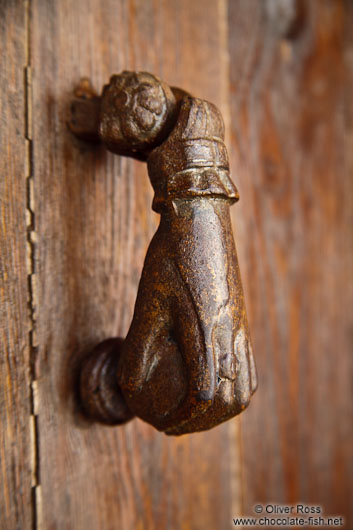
76,222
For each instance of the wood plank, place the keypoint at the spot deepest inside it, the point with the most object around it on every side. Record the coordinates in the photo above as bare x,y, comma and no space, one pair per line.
292,154
15,411
94,222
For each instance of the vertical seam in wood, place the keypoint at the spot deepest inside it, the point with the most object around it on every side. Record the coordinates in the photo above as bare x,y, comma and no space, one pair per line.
236,477
31,272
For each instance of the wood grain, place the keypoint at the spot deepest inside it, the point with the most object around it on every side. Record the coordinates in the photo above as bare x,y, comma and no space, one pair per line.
283,80
15,411
94,222
292,154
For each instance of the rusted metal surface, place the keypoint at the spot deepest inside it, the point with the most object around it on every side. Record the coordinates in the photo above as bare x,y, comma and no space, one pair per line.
186,364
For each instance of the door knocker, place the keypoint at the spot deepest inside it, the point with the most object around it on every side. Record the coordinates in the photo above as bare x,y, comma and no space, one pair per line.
186,364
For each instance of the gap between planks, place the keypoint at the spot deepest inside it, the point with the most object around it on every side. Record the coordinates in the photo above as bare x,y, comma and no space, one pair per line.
31,273
234,427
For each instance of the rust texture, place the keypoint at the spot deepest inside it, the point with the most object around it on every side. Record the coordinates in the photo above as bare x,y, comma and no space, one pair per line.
186,364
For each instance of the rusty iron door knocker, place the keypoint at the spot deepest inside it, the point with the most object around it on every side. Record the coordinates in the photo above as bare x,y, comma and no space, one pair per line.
186,364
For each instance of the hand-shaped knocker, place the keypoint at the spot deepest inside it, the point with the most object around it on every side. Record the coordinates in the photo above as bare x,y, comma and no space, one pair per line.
186,364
